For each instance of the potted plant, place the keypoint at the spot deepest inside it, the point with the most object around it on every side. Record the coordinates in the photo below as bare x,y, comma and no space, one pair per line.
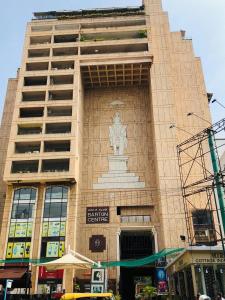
149,292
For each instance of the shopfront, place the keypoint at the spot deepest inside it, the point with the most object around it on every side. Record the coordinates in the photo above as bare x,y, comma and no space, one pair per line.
199,269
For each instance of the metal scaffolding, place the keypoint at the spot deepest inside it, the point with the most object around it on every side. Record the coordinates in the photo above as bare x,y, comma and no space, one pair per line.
202,181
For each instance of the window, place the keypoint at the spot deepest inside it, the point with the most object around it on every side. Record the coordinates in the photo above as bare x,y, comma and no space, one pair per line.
29,129
24,166
55,210
55,165
56,192
203,225
25,194
22,211
54,225
23,204
20,230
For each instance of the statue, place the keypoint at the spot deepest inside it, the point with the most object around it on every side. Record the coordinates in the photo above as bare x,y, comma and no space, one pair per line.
118,135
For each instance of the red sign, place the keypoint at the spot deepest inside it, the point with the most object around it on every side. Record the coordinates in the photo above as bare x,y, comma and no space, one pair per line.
44,274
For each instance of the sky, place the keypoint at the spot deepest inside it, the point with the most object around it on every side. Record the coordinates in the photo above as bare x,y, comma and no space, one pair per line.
203,20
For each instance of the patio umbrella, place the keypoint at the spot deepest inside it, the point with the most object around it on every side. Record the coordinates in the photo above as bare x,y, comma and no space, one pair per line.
67,261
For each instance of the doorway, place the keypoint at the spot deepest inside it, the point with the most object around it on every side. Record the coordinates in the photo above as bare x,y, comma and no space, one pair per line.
135,245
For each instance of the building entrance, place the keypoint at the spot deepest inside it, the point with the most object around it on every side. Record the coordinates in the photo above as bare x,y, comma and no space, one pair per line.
134,245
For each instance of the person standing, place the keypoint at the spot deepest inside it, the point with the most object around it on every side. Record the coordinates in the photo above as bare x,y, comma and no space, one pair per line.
219,296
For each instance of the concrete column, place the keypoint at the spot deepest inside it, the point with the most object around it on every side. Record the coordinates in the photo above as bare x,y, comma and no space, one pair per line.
155,239
118,256
203,279
194,279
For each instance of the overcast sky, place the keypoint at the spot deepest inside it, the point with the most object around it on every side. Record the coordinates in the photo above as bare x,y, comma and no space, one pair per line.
203,20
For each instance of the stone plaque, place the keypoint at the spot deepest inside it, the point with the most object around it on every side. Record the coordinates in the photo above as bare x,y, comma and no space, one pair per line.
97,215
97,243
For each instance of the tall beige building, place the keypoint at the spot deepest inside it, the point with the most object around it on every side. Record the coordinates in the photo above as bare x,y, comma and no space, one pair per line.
91,161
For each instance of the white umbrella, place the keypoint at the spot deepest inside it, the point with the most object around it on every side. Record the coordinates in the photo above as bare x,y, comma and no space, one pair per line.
67,261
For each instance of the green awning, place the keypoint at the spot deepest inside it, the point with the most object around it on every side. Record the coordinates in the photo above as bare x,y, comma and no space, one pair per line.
143,261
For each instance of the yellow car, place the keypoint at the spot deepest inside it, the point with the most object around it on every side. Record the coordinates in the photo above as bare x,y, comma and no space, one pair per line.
88,296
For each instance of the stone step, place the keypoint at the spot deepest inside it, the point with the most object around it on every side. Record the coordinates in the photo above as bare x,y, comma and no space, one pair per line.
118,174
118,185
120,179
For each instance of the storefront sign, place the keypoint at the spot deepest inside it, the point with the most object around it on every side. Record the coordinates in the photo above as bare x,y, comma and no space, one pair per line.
44,274
97,215
97,243
215,258
162,285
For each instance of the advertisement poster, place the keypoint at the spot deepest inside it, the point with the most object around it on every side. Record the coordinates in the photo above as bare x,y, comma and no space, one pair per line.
12,229
52,249
63,229
20,229
18,250
54,229
9,250
162,285
61,248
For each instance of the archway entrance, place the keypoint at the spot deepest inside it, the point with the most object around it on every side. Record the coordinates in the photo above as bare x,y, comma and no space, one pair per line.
134,245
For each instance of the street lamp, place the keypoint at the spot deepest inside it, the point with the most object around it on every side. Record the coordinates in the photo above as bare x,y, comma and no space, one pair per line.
181,129
216,101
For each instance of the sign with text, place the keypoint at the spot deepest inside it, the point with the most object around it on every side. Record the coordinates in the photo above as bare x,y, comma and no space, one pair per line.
97,215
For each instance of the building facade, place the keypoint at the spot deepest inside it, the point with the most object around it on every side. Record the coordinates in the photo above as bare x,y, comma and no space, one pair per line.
100,90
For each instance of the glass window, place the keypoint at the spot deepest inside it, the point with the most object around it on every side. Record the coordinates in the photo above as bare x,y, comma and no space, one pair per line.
55,210
56,192
25,194
22,211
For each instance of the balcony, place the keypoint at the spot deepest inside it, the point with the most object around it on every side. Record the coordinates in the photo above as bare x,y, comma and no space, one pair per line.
27,147
62,65
55,165
24,166
34,81
29,129
39,66
34,112
107,36
110,49
59,111
60,95
57,146
65,51
41,28
33,96
33,53
65,27
119,23
39,40
56,128
61,79
66,38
